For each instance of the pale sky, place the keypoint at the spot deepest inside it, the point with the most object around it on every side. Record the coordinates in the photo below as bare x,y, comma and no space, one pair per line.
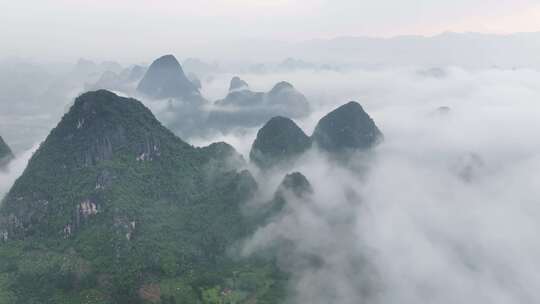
107,28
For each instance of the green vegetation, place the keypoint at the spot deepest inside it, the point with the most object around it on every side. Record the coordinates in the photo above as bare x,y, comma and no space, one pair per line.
114,208
279,140
346,128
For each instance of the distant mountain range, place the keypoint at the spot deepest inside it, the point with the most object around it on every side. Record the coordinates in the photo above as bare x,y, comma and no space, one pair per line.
188,112
471,50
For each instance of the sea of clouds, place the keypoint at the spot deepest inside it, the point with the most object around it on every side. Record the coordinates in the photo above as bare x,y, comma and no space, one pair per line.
445,210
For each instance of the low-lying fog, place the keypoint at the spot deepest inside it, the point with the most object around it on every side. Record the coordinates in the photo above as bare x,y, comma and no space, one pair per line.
445,210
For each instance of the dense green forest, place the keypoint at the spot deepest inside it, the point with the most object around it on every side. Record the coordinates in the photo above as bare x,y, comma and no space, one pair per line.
114,208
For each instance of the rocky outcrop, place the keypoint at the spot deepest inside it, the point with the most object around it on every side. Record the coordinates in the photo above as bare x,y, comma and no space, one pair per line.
165,78
279,141
281,87
238,84
243,107
295,183
293,188
285,94
347,128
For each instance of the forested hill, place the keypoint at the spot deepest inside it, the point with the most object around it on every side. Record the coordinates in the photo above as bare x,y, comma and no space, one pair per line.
114,208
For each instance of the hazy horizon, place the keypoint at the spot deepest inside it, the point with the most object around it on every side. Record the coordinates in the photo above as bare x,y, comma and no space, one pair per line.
134,31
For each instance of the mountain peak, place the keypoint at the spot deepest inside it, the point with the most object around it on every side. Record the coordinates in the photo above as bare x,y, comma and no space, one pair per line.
106,107
293,186
281,86
101,125
91,99
297,183
280,139
165,78
348,127
350,106
285,94
166,60
237,84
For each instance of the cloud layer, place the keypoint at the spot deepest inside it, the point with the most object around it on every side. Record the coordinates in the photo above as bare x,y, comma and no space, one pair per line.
445,210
